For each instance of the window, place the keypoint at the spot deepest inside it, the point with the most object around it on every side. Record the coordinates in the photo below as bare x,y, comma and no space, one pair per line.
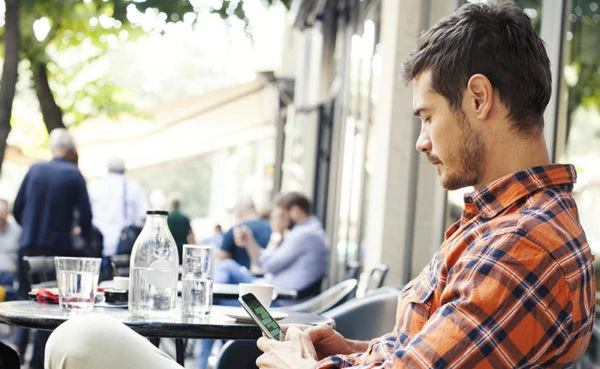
580,96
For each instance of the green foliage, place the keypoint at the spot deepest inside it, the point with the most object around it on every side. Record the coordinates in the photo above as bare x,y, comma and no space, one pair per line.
584,54
92,27
235,8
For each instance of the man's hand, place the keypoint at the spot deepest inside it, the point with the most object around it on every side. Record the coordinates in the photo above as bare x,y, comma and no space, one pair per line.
242,236
297,352
328,341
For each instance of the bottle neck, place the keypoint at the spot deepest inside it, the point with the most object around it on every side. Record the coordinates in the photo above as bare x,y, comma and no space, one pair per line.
155,218
154,221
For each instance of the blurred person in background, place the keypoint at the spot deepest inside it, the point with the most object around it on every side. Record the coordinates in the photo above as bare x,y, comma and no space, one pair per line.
216,239
49,195
246,215
9,245
117,201
296,257
179,225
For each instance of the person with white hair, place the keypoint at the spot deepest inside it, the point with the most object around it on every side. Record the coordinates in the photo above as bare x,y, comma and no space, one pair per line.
48,197
117,202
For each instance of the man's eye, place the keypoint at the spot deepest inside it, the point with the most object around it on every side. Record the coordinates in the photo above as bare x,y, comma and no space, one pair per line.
427,119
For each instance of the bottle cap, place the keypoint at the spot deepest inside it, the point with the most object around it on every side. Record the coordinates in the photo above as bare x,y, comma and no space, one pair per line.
157,212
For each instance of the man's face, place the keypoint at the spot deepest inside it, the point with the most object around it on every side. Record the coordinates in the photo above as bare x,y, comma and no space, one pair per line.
447,138
280,220
295,214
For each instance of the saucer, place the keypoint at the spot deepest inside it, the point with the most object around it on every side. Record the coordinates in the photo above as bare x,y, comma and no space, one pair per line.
105,304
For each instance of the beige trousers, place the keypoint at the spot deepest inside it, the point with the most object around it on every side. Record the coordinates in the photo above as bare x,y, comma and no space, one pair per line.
97,341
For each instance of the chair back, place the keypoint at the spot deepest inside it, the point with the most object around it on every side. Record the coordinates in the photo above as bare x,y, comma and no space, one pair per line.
369,317
39,269
238,354
326,300
9,359
377,277
372,280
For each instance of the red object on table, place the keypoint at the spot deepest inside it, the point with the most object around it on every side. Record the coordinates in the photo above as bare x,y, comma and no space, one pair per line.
44,296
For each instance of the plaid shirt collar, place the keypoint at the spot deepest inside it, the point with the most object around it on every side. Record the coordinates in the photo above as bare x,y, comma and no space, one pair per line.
505,191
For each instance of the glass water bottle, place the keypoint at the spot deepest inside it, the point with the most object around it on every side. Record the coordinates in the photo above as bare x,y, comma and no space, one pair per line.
153,269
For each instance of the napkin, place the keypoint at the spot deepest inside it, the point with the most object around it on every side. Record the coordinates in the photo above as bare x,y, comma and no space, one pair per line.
46,296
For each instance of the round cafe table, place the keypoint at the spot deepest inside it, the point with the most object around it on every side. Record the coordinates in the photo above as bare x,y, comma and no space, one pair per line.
217,325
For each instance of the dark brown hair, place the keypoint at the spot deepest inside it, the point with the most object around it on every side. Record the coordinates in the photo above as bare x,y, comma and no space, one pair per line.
294,198
496,40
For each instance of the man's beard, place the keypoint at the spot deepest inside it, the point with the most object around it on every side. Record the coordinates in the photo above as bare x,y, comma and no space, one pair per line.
469,158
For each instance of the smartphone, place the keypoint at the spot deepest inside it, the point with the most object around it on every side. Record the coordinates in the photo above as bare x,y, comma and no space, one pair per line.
261,316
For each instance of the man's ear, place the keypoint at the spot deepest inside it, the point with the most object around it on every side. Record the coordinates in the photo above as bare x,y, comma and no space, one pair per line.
479,96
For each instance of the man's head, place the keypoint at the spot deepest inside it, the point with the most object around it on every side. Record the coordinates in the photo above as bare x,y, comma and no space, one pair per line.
481,65
245,210
497,41
296,205
116,165
62,144
175,200
4,211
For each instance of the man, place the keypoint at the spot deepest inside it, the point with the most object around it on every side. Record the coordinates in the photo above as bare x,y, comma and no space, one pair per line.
49,195
296,256
246,215
512,284
180,227
9,245
117,202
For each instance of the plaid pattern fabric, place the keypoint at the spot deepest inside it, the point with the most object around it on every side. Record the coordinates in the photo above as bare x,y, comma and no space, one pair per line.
511,287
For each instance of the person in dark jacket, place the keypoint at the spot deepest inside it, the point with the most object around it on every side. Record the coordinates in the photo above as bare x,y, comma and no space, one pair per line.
49,195
180,226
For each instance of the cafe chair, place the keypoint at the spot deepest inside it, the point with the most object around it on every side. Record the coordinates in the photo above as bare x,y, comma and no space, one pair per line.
310,291
9,359
372,280
591,357
40,271
238,354
326,300
368,317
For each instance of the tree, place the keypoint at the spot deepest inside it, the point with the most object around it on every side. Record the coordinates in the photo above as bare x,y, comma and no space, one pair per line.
34,29
9,71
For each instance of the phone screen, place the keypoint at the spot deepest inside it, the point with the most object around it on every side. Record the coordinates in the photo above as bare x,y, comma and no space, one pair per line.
261,316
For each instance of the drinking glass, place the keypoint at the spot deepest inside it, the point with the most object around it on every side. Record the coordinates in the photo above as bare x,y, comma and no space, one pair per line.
77,280
197,280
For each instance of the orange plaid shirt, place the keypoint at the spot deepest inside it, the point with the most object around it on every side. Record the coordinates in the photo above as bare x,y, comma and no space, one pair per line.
511,286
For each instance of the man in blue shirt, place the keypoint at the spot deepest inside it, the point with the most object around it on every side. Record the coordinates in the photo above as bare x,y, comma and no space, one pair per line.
48,197
246,215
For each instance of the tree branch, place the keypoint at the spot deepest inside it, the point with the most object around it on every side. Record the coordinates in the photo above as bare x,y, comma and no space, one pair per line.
9,71
51,112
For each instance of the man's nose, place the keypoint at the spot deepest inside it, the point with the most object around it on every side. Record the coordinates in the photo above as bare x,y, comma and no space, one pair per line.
423,142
